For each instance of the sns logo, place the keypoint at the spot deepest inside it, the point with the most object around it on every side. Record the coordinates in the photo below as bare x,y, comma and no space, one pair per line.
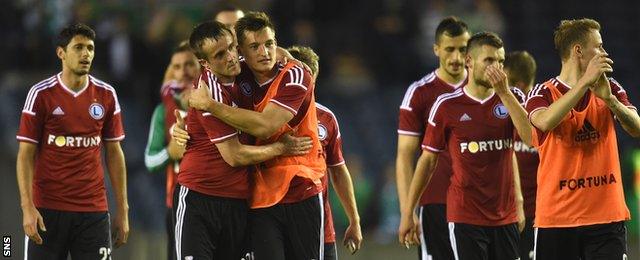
484,146
96,111
73,141
500,111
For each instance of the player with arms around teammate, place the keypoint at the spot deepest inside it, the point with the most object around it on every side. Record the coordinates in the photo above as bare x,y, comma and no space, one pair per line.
65,122
338,173
211,207
580,207
520,68
477,123
287,215
450,47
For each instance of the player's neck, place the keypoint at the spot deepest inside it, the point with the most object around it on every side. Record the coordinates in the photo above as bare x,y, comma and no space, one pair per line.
570,73
453,80
73,81
478,91
263,77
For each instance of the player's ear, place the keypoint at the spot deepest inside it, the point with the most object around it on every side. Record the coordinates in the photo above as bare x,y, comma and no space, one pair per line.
467,60
435,49
60,52
577,49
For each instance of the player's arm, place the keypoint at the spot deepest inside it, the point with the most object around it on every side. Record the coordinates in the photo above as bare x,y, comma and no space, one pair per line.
626,115
518,193
155,154
546,119
31,218
118,176
237,154
421,177
517,113
408,146
343,185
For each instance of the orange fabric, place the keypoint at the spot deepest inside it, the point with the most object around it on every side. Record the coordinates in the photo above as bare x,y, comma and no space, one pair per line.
272,178
579,177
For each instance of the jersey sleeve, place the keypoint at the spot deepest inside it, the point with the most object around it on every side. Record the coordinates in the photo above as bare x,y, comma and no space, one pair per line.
216,129
539,97
620,93
520,96
334,146
293,89
32,119
412,113
113,129
434,139
155,153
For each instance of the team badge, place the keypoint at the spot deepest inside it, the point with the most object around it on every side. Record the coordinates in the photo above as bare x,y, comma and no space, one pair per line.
245,88
96,111
322,132
500,111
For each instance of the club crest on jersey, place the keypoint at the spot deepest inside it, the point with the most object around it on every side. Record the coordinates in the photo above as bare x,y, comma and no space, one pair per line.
96,111
500,111
322,132
245,88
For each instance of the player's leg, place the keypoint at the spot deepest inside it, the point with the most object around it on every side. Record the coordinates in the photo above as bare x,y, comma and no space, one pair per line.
435,244
604,241
330,251
526,241
54,240
266,237
304,236
193,236
468,242
230,243
170,225
91,236
556,244
504,242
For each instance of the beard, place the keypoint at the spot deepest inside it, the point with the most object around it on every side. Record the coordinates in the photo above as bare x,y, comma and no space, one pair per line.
479,80
80,72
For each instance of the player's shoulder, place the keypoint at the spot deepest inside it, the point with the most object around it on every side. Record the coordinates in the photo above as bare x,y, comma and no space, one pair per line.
444,100
519,94
425,82
44,84
542,89
418,90
615,85
295,76
102,85
324,111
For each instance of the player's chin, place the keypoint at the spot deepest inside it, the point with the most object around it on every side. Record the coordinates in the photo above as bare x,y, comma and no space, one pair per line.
82,71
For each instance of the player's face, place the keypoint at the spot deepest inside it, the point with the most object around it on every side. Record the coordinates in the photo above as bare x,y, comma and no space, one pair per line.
222,56
259,49
593,45
451,52
480,58
229,18
78,54
184,67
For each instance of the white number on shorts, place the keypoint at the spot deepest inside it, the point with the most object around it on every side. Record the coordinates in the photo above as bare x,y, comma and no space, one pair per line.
105,252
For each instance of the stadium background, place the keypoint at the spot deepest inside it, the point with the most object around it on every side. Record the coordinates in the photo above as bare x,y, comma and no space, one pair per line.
370,51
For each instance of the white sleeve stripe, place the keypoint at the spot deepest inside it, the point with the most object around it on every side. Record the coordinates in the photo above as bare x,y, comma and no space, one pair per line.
36,87
297,85
337,164
284,106
22,138
206,114
215,140
439,101
115,138
532,111
426,147
28,112
408,96
403,132
33,95
106,86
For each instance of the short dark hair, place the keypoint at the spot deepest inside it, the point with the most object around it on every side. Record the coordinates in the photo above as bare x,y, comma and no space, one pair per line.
452,27
207,30
71,31
521,67
253,22
570,32
484,38
182,47
306,55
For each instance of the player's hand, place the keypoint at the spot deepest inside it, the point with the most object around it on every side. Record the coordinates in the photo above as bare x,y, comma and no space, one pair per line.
178,133
602,88
498,79
521,216
408,231
353,238
31,221
200,97
295,145
283,56
120,229
598,65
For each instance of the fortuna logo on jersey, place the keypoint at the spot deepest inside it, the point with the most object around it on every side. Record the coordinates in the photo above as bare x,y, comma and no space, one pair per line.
521,147
486,146
74,141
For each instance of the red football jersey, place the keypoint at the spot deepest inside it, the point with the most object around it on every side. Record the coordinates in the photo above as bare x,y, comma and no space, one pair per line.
479,135
528,161
329,134
414,113
540,97
202,167
69,128
293,95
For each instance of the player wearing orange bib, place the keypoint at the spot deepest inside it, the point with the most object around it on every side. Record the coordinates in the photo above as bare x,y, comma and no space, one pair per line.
580,207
